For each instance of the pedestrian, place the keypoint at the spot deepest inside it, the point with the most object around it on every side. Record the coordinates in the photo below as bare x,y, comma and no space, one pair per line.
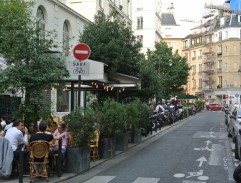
18,140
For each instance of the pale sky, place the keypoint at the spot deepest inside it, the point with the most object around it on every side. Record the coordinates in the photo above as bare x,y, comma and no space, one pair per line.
189,9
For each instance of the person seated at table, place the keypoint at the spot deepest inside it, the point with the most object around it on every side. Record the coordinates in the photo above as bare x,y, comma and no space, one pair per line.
65,140
17,140
42,135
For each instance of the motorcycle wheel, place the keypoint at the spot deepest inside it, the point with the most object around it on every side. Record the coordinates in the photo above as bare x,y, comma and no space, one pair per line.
237,174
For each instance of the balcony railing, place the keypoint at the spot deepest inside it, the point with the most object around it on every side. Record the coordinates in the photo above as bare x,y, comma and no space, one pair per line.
209,71
207,88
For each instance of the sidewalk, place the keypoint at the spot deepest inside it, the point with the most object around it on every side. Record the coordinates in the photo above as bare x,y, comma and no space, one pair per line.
93,164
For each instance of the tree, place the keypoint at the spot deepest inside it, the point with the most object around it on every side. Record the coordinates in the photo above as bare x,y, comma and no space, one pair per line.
172,77
112,43
29,51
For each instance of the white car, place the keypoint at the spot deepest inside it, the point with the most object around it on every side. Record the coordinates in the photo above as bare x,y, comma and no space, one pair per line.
234,123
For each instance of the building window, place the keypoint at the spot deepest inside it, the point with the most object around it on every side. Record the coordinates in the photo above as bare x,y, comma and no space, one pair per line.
200,68
63,101
66,39
194,83
200,83
101,3
139,22
140,39
220,36
219,49
220,81
194,69
193,55
41,21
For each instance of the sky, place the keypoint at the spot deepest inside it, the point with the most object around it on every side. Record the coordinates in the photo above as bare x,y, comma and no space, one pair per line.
189,9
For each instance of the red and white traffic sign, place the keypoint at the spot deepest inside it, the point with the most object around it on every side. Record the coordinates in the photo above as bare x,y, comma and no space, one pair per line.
82,51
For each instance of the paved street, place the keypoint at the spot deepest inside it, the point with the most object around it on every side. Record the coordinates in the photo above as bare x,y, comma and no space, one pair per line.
195,151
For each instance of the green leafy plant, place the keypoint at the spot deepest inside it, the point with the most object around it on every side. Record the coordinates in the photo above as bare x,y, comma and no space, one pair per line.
80,123
113,118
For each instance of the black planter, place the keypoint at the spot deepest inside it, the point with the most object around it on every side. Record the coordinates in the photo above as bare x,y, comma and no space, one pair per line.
135,135
107,147
121,142
78,159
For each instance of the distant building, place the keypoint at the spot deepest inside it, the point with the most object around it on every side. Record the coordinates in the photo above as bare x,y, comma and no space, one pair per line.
214,56
146,22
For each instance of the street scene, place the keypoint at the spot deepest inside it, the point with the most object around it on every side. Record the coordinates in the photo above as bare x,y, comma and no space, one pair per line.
196,150
120,91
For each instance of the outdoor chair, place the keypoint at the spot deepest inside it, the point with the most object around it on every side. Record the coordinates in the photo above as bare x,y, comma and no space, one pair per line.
94,146
39,154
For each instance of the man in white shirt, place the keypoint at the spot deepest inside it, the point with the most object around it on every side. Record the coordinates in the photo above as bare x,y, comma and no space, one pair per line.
159,108
16,138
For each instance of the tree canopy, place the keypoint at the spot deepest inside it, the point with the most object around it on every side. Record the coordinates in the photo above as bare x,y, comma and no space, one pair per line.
173,70
32,60
112,42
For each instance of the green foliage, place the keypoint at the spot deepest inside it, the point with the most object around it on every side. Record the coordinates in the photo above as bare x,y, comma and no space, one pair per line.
186,112
113,118
32,63
172,77
138,113
116,117
113,43
150,80
80,123
200,105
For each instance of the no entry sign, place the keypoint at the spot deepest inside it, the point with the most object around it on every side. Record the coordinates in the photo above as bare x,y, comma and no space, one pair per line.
82,51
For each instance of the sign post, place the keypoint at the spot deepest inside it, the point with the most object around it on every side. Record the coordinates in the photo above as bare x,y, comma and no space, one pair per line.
81,52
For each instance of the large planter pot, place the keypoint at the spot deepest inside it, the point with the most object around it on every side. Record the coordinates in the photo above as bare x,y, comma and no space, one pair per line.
135,135
121,142
78,159
107,147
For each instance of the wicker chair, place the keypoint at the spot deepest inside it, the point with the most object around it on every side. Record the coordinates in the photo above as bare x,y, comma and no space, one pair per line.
94,146
39,153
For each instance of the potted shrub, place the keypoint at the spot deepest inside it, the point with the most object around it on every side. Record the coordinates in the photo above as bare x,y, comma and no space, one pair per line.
80,124
138,114
112,122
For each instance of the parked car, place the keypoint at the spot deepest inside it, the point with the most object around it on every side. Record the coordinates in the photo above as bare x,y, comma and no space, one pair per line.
215,107
234,123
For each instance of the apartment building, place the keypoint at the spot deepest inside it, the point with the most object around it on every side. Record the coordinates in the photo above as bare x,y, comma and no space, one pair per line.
90,8
146,22
213,53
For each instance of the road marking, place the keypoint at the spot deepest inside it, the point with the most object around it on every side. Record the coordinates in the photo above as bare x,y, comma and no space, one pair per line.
216,155
229,161
192,181
106,179
100,179
202,159
146,180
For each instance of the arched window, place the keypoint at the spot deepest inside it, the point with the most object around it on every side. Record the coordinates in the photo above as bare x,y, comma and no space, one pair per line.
66,39
41,21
